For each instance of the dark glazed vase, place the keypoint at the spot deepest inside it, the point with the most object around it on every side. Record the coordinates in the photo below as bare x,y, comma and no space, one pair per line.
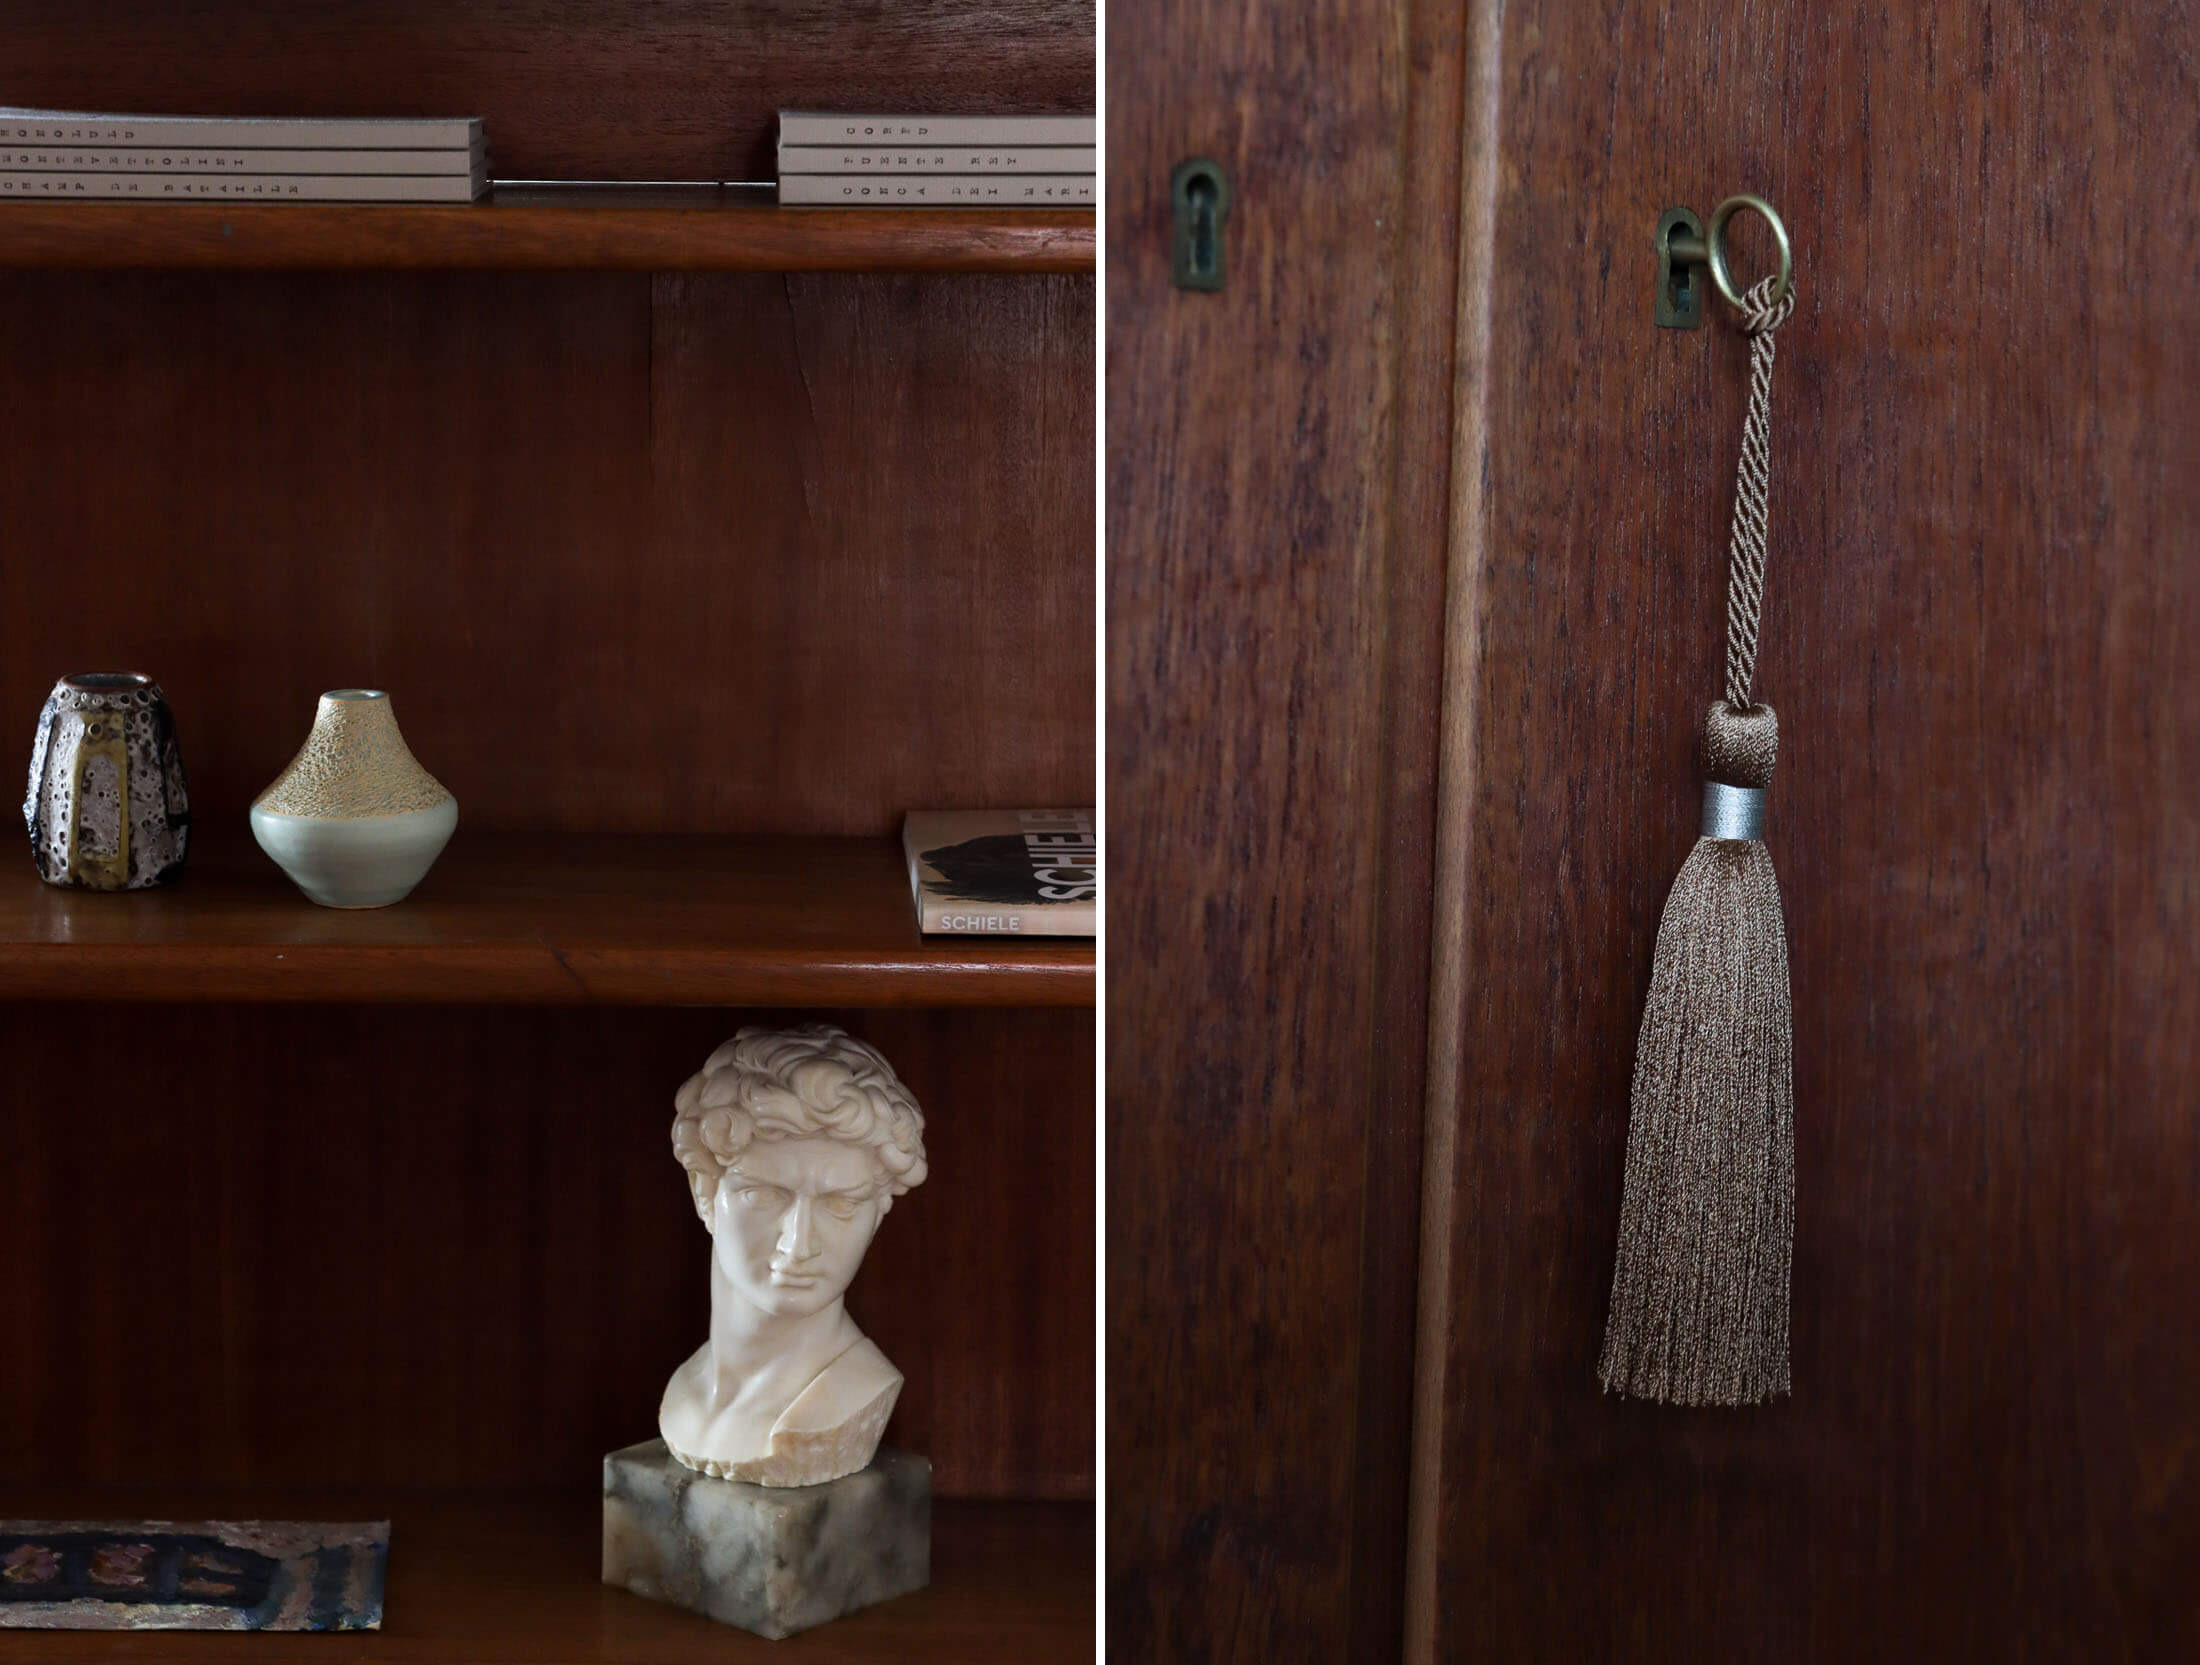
107,809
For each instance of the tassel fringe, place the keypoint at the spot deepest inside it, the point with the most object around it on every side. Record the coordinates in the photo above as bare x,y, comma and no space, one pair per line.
1700,1293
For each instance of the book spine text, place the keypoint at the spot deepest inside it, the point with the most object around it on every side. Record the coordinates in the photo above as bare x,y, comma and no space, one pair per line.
939,159
192,187
803,127
176,159
61,127
938,190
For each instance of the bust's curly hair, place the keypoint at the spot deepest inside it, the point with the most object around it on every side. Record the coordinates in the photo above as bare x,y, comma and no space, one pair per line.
815,1081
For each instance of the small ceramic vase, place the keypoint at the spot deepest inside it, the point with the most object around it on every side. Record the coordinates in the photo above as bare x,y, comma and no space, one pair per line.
106,807
355,821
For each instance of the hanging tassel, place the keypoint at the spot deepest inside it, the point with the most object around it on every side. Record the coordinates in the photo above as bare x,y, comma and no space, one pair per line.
1700,1295
1707,1221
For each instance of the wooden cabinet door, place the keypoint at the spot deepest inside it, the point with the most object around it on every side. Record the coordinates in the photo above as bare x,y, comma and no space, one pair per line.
1365,866
1275,579
1983,637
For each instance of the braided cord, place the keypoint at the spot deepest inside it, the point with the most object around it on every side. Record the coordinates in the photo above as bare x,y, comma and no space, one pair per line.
1745,576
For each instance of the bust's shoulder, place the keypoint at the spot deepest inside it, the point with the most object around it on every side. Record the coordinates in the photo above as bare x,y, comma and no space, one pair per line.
693,1374
843,1391
683,1414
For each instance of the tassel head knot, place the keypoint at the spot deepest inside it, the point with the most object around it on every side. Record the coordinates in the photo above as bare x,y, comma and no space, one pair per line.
1741,744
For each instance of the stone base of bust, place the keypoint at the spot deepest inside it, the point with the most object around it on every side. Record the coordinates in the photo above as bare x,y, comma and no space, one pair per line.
769,1559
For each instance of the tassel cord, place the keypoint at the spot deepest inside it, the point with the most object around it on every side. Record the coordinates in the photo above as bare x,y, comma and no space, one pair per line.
1745,548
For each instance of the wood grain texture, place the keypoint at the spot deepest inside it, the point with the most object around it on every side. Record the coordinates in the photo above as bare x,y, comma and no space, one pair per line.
698,554
1983,638
555,919
623,229
515,1579
566,89
1273,621
386,1248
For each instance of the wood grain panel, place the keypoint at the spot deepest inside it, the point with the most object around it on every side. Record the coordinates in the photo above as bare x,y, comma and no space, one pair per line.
1273,684
729,554
897,528
1983,637
359,1247
566,89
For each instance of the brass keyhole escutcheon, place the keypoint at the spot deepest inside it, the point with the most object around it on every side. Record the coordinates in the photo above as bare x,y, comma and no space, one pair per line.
1680,270
1200,193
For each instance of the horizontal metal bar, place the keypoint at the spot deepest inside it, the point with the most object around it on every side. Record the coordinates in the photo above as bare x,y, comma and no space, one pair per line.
641,184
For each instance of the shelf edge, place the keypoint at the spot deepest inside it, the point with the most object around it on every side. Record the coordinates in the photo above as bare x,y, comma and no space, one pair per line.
519,975
540,237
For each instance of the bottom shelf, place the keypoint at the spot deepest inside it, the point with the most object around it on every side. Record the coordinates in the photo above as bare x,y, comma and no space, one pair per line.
504,1580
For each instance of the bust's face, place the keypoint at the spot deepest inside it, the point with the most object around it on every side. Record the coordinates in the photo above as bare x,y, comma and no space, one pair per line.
792,1218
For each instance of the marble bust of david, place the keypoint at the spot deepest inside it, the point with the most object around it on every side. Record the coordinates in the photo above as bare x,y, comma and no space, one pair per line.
796,1143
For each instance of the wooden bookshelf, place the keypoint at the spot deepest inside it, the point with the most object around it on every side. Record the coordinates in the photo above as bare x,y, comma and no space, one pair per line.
514,1580
620,228
697,537
545,919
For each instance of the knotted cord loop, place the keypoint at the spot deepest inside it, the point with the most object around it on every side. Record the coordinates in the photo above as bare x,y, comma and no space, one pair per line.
1745,575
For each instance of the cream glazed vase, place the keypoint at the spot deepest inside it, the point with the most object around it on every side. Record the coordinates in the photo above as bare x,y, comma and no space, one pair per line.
355,821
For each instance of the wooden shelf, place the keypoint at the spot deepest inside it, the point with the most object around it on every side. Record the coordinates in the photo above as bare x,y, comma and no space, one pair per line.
500,1581
549,228
551,919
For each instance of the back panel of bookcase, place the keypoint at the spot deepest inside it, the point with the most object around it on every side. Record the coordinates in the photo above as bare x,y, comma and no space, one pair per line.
362,1248
565,88
727,553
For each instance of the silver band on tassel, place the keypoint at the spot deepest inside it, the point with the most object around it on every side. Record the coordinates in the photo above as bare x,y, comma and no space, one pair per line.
1736,812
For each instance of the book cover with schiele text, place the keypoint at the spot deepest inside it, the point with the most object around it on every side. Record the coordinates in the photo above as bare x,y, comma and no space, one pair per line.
1009,872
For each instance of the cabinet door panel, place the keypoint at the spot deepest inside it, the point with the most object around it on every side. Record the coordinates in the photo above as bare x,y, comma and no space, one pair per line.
1275,586
1983,638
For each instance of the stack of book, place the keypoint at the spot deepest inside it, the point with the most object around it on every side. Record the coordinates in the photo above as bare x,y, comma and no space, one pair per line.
936,161
57,155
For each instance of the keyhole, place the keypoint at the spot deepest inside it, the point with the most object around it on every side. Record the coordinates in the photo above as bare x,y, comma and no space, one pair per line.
1680,250
1202,199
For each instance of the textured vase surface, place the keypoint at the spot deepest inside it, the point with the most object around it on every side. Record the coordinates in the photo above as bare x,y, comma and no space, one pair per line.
106,805
355,820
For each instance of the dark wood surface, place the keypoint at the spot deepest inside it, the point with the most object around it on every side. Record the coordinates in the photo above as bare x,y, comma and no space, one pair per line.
1273,625
516,1580
566,89
682,554
1983,638
623,229
542,918
358,1247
